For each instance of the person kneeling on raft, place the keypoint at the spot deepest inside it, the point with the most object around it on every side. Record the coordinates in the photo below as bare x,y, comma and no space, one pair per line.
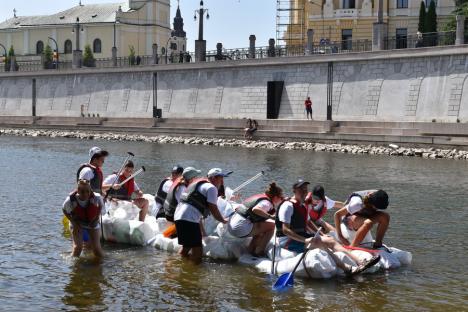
291,225
198,201
125,191
252,219
83,209
362,210
317,206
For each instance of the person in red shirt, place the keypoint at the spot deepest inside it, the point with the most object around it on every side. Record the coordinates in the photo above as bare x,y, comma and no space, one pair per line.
308,108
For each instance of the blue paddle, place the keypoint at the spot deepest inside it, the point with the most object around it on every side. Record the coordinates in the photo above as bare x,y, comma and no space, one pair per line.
287,279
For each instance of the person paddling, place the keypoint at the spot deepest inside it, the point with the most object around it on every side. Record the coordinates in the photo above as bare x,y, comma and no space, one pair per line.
361,212
291,224
197,202
317,206
163,189
92,171
83,208
126,191
254,217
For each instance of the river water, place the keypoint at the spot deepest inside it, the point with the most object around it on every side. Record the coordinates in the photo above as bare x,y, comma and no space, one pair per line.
428,209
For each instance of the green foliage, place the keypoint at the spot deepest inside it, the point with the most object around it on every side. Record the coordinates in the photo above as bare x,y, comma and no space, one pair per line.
131,56
461,9
48,57
11,52
431,18
422,17
88,57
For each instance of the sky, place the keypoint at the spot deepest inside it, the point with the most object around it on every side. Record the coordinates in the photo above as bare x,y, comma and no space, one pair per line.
231,21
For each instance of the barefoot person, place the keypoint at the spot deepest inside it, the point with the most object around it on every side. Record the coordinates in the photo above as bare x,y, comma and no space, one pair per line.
92,171
197,202
127,190
83,208
255,218
361,212
291,224
317,205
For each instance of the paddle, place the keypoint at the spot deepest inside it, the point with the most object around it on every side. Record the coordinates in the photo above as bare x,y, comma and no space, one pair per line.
229,192
274,255
130,155
132,176
287,279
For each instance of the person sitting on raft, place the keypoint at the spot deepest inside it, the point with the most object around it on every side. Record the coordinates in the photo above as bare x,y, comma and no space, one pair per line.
92,171
197,202
125,191
317,205
291,224
252,219
362,210
163,189
83,208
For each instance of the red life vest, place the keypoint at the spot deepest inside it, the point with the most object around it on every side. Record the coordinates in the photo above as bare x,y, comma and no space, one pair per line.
315,214
298,219
96,181
86,214
126,191
195,198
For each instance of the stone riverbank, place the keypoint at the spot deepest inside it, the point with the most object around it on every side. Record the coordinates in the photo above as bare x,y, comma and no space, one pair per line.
391,149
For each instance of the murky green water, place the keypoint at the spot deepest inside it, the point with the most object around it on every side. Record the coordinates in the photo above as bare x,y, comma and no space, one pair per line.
429,213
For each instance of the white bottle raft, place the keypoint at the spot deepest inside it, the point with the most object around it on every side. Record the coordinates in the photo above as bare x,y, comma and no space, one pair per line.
121,225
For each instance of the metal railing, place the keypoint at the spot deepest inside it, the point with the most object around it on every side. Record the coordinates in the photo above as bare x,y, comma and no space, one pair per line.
323,47
422,40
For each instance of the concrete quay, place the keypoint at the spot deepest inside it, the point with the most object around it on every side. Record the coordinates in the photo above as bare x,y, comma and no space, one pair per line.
412,134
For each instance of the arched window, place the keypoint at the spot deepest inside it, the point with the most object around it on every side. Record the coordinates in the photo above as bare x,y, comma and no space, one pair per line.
97,46
39,47
68,47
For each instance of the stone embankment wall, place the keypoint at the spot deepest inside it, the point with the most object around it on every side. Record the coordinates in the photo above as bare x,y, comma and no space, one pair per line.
406,85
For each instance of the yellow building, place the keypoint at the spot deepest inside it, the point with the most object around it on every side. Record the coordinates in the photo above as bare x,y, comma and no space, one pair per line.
134,23
342,20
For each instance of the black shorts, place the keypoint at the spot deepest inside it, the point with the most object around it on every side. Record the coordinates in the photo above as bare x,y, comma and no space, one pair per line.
188,233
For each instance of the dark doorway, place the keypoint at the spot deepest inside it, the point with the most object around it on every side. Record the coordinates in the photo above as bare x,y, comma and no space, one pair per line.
274,94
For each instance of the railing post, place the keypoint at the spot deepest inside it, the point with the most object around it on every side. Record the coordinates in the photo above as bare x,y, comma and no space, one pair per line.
155,54
460,39
378,36
114,56
271,48
310,41
252,39
219,51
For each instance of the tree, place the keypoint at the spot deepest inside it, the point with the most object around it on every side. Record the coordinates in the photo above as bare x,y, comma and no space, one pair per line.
11,58
48,57
431,18
88,57
422,18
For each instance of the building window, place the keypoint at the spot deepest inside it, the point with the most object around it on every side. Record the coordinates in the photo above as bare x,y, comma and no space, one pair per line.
347,39
68,47
349,4
401,38
97,46
39,47
173,46
402,4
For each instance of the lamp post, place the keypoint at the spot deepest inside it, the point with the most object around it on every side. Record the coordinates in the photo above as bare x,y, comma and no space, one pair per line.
200,44
56,51
77,53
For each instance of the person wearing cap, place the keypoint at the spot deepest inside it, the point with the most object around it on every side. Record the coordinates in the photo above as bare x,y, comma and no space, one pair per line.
92,171
291,224
219,172
198,201
361,212
317,206
163,189
127,190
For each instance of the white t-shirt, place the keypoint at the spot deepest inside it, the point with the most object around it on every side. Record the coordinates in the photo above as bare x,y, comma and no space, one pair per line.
86,174
67,207
113,178
240,226
355,203
189,213
285,212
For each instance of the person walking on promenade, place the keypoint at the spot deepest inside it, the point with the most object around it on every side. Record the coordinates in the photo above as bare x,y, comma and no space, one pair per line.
308,107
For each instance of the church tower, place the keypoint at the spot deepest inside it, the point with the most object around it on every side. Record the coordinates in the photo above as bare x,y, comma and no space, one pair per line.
179,41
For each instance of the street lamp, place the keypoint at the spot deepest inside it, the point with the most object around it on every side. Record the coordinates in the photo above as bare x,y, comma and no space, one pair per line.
200,44
77,55
167,44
